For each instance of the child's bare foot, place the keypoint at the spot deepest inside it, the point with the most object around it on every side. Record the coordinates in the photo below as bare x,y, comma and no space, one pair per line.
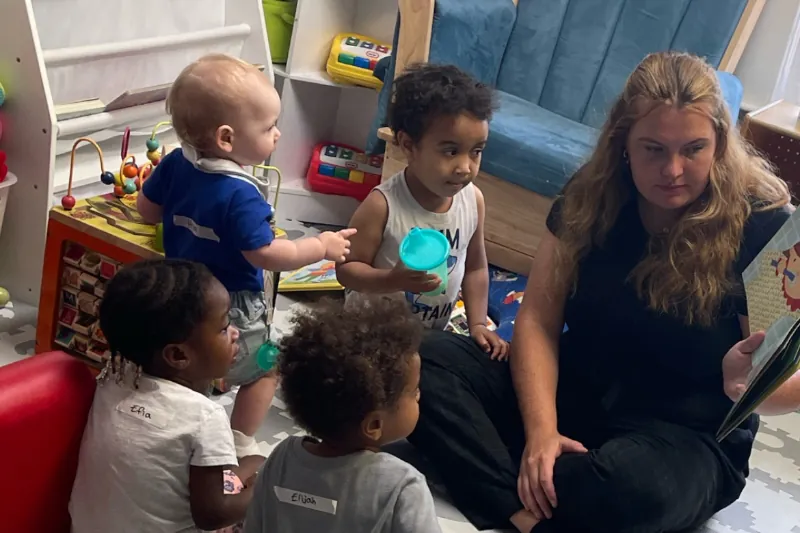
524,521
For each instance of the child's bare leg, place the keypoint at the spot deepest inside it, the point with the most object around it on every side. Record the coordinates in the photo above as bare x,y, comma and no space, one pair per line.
248,315
252,404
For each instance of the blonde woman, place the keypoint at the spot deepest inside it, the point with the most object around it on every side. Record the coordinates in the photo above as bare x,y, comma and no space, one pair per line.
610,426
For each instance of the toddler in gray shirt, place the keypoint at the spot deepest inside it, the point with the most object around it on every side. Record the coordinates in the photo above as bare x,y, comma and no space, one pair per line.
350,378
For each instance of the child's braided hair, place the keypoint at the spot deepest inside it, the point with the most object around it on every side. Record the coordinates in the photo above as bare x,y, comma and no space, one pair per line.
149,305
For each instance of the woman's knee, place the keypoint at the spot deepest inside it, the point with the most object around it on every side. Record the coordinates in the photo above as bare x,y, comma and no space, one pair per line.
593,494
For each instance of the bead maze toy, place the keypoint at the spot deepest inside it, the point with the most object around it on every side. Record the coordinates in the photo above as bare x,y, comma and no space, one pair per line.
344,170
130,177
353,59
89,239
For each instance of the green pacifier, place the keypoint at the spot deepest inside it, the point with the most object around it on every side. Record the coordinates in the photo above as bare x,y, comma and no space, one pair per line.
267,356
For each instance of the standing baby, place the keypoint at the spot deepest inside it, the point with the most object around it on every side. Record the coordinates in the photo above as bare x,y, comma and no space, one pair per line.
225,113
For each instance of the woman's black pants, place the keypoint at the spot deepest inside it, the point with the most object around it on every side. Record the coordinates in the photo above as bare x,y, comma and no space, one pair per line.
642,476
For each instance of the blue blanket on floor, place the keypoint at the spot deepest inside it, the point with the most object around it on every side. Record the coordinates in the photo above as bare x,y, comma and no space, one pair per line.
506,290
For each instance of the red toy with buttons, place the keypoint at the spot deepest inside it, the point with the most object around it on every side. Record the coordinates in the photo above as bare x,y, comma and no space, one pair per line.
343,170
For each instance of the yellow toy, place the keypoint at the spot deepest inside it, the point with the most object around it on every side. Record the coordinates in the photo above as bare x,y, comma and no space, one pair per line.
353,59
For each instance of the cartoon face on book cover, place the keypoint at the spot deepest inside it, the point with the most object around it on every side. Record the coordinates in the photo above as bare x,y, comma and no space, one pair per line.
772,287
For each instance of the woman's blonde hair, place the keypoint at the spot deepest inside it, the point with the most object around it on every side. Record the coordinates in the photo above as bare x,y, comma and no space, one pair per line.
688,271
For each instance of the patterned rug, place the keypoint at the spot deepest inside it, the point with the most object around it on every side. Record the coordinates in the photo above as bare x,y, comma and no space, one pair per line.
769,504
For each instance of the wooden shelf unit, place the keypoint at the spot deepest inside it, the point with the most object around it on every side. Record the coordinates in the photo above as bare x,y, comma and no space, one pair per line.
61,51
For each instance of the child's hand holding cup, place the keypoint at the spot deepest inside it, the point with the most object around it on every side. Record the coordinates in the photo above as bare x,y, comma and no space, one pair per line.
404,279
424,252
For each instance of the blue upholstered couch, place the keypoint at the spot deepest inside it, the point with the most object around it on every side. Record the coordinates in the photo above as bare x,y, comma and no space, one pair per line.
557,66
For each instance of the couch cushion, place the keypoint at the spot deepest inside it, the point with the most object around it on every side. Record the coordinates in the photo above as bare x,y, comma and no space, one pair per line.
572,57
732,91
44,403
539,150
533,147
472,34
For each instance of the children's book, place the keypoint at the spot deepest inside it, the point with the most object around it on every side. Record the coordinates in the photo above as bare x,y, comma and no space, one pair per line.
772,287
320,276
140,96
81,108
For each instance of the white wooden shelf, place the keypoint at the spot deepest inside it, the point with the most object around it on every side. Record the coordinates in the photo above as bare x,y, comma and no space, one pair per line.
317,109
279,70
108,48
320,78
298,202
104,50
154,112
76,54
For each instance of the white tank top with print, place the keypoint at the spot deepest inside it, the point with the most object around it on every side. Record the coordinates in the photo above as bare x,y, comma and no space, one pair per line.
458,224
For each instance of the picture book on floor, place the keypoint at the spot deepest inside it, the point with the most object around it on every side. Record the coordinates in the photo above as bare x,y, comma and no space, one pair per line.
319,276
772,288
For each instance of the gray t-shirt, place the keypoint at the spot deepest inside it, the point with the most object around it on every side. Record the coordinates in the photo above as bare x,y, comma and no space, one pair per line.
298,492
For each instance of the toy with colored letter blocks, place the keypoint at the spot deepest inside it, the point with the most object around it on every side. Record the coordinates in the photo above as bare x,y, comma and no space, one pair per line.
344,170
353,59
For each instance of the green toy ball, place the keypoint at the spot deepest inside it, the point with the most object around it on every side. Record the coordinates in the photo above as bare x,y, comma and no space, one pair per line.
152,144
4,297
2,95
267,356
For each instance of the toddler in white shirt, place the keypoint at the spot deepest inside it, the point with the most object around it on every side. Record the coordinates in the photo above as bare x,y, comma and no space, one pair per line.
155,448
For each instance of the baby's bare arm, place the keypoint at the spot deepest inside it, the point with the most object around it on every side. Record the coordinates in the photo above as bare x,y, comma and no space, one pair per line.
282,255
151,212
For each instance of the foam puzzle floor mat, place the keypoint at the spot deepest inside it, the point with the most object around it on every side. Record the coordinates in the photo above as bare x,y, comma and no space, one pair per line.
770,502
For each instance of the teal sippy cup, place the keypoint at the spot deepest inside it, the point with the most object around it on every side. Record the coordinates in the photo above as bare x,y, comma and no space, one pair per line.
427,250
267,356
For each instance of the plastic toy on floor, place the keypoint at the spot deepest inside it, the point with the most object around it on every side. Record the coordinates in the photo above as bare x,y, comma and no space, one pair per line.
354,58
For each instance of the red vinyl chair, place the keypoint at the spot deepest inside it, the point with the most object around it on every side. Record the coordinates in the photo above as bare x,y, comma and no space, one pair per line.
44,403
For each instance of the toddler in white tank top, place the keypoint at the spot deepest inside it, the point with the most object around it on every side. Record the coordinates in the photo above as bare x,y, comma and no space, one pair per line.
440,116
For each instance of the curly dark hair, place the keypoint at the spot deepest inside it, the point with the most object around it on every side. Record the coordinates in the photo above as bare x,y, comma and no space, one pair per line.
426,92
343,361
151,304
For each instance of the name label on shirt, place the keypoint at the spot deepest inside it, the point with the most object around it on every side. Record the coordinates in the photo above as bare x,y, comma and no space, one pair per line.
142,412
303,499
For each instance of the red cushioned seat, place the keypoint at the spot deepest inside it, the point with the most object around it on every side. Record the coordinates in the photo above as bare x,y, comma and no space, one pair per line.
44,403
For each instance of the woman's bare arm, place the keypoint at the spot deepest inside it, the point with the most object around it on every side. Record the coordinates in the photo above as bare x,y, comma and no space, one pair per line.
539,322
